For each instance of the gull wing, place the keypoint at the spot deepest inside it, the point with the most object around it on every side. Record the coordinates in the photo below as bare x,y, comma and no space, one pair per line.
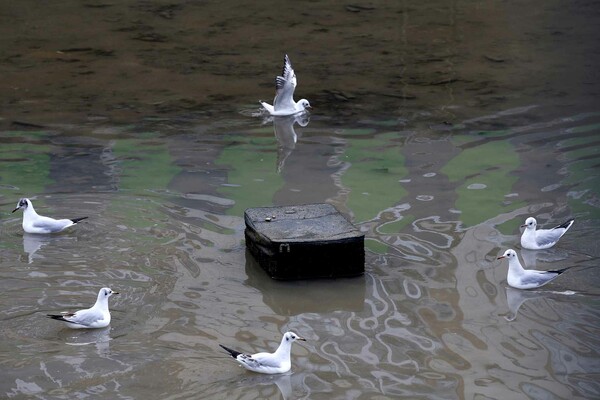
539,279
547,236
247,359
83,317
51,225
544,237
264,360
285,86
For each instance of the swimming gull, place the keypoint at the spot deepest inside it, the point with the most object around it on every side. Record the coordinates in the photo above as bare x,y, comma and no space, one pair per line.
35,223
521,278
97,316
542,238
268,363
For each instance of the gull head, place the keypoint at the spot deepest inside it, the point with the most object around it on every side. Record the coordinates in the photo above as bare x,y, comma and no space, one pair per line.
23,203
304,104
291,337
105,293
530,223
510,254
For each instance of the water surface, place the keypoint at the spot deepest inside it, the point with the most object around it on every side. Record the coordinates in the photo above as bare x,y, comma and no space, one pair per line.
437,134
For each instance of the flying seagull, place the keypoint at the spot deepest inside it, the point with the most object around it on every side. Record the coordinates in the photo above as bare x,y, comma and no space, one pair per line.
283,103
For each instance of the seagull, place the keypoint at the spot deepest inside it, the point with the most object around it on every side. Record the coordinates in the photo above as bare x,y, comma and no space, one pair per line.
521,278
283,103
542,238
268,363
97,316
35,223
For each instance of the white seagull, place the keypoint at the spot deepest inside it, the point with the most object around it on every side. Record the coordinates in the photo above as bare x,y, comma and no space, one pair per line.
521,278
283,103
268,363
542,238
97,316
35,223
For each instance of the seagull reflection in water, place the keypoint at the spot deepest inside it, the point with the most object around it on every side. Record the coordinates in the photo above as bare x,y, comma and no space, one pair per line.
516,297
286,135
33,242
281,381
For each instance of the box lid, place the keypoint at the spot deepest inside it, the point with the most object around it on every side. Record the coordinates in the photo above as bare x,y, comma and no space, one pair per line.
306,223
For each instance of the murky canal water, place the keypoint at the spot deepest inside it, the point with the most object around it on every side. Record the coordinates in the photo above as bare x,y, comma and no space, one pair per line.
437,148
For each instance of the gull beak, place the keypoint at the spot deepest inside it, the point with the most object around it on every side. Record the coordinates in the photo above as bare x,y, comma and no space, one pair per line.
523,226
15,209
500,258
115,292
301,338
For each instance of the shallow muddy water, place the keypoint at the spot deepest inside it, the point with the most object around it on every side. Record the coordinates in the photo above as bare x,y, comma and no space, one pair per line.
436,130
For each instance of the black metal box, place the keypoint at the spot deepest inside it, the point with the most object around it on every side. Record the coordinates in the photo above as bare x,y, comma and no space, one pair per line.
305,241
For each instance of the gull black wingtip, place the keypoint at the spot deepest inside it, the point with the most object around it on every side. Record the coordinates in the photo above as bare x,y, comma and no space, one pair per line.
56,317
232,353
559,271
566,224
76,220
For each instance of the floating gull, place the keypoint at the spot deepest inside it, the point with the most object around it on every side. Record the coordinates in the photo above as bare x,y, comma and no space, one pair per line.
268,363
97,316
34,223
283,103
521,278
542,238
